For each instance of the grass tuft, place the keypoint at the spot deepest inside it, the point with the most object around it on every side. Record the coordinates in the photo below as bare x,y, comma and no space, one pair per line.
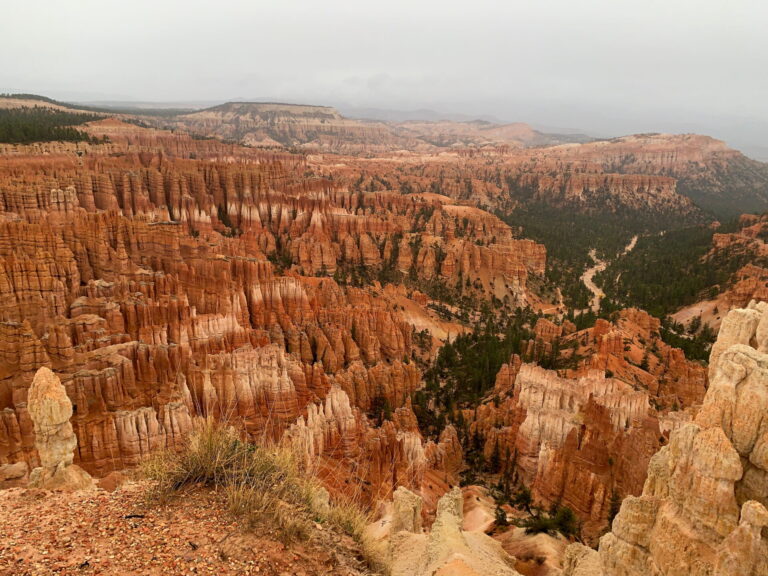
263,485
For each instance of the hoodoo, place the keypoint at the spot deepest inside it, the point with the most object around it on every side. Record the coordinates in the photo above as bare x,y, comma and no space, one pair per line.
381,328
50,409
447,549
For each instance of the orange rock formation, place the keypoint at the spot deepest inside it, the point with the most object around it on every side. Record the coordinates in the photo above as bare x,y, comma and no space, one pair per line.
162,277
582,438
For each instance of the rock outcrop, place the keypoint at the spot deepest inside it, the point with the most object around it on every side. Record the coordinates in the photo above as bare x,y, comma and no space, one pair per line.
662,176
13,475
579,442
447,549
315,127
703,506
631,348
342,443
750,280
50,410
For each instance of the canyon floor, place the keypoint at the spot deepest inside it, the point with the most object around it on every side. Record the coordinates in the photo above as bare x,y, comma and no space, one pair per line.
588,278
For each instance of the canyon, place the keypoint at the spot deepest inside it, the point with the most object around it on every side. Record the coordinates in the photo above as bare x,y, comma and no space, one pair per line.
658,174
369,294
588,278
163,277
582,436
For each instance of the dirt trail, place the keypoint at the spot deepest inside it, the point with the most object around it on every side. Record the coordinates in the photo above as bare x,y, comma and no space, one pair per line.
599,265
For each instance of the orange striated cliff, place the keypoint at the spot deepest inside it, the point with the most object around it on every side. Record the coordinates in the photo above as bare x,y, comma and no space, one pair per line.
162,277
702,508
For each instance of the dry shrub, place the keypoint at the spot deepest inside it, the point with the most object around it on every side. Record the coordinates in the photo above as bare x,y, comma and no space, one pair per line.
262,484
349,517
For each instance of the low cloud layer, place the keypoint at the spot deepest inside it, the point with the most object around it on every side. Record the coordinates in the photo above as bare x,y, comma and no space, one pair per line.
605,67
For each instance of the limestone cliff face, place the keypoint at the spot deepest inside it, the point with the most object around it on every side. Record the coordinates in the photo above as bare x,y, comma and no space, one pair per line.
663,176
341,442
571,440
557,177
613,192
702,510
714,176
667,175
630,347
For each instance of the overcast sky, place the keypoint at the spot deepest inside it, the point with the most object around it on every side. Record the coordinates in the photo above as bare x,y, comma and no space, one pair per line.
606,67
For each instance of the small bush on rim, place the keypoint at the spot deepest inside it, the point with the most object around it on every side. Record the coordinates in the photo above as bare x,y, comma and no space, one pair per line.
262,484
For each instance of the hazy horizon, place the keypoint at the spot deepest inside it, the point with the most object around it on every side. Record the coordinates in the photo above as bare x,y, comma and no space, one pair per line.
602,68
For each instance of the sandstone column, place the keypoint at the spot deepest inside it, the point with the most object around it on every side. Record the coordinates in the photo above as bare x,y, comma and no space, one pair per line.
50,409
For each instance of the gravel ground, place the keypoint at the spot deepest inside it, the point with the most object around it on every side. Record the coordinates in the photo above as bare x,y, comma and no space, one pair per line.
119,533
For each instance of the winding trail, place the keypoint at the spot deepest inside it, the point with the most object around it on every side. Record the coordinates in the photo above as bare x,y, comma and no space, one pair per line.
599,265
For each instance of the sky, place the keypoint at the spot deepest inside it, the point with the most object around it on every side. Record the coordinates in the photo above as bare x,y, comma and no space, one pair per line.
606,67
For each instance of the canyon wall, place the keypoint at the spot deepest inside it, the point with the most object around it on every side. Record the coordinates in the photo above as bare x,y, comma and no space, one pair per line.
703,506
582,436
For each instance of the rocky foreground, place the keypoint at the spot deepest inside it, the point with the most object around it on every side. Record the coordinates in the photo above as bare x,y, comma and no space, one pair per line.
99,532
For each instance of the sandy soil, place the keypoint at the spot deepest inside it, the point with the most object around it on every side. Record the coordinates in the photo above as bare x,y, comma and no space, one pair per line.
588,279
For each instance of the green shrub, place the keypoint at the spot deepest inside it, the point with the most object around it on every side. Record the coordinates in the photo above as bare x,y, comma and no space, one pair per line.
560,519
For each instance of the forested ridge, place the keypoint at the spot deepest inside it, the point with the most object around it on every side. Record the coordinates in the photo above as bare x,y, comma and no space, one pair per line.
668,271
26,125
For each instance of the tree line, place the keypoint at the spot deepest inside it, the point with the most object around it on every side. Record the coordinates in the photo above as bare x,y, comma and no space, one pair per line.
27,125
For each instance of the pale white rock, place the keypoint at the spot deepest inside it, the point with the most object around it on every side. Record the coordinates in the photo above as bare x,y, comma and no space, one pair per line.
702,511
447,549
50,409
580,560
406,511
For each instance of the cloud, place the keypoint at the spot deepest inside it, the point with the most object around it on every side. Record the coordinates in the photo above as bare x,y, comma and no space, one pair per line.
606,65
